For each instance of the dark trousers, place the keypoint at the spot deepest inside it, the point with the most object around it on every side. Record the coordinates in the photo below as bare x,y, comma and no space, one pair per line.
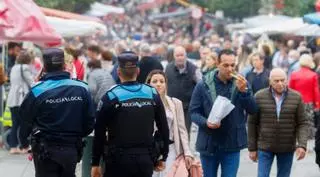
129,165
59,162
16,123
187,119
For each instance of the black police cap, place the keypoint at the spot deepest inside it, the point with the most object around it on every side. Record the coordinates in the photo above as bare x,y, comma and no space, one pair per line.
53,57
128,59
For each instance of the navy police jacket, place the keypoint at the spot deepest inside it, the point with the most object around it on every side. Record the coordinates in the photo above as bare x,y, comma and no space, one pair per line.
128,112
59,107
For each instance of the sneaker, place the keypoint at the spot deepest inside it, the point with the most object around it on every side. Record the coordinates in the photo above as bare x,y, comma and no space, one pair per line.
14,151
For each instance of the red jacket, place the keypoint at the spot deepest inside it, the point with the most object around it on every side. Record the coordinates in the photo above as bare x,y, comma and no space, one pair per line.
79,68
305,81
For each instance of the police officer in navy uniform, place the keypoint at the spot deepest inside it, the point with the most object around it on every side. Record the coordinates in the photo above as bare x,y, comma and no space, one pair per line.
128,112
58,112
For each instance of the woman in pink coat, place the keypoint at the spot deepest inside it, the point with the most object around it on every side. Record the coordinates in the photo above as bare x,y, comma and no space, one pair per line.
175,117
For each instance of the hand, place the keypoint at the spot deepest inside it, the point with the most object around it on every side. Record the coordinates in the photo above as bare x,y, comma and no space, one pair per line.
96,172
213,126
161,165
300,153
241,83
189,161
253,156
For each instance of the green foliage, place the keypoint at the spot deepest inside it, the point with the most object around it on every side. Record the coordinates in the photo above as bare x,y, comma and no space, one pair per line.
78,6
298,7
232,8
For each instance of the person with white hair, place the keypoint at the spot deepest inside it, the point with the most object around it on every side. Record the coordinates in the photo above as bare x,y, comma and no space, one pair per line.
294,56
279,128
147,63
305,81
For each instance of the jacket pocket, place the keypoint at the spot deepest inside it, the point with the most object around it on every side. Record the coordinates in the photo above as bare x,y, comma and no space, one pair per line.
242,136
202,141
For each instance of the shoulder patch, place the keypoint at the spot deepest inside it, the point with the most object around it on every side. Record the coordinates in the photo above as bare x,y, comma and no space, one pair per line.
52,84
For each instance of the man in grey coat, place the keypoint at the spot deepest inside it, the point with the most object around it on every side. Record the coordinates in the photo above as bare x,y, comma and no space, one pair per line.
280,127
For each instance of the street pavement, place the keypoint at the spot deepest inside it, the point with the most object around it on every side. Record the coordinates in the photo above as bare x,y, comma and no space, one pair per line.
19,166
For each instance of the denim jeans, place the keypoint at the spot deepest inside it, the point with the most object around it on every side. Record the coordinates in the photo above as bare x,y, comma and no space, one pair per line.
284,163
229,162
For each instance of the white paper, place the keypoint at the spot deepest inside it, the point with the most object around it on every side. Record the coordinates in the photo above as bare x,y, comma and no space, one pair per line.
222,106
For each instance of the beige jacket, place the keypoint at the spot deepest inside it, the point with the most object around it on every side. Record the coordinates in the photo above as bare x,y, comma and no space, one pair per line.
180,133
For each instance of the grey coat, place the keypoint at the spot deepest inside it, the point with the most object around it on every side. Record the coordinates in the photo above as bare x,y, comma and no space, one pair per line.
18,87
99,82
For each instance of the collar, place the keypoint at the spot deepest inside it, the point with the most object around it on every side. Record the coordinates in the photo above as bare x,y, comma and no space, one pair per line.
184,66
56,76
130,83
255,71
284,93
218,81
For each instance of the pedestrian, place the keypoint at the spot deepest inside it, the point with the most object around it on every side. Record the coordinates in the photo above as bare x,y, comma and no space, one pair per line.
258,77
182,78
279,128
13,51
210,63
21,81
93,52
294,56
178,134
147,63
128,111
99,80
58,112
305,81
220,144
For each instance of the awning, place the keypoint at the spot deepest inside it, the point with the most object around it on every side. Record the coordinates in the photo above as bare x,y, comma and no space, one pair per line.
98,9
72,28
313,18
67,15
262,20
23,21
152,4
177,13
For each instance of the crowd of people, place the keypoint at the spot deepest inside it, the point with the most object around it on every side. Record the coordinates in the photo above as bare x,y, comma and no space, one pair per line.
189,77
179,69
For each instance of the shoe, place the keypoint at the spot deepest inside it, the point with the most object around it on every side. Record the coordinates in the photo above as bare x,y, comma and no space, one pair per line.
24,151
14,151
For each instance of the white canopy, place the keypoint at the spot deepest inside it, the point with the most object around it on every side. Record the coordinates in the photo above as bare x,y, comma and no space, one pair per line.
262,20
293,26
71,28
98,9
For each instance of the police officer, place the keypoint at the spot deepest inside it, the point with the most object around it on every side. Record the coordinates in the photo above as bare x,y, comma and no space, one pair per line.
128,112
58,112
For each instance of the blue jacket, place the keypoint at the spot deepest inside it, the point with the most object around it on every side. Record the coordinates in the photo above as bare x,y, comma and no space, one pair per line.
232,135
61,108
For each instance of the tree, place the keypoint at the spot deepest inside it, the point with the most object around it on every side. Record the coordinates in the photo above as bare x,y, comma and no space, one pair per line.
232,8
78,6
298,7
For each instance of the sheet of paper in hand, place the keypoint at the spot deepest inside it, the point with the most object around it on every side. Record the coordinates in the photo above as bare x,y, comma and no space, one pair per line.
222,106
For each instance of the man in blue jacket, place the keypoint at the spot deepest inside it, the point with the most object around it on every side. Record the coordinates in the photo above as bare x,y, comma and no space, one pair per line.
58,112
220,144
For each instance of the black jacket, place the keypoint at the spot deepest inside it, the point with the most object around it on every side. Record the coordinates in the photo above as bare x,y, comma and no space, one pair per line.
61,108
128,112
146,65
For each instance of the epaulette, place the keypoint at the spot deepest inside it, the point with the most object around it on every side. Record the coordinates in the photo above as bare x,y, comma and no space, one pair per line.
37,84
75,79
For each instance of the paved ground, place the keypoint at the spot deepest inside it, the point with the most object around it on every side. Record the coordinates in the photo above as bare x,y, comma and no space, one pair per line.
19,166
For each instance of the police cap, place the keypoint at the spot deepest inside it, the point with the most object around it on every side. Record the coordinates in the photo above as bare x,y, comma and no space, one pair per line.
53,57
128,60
